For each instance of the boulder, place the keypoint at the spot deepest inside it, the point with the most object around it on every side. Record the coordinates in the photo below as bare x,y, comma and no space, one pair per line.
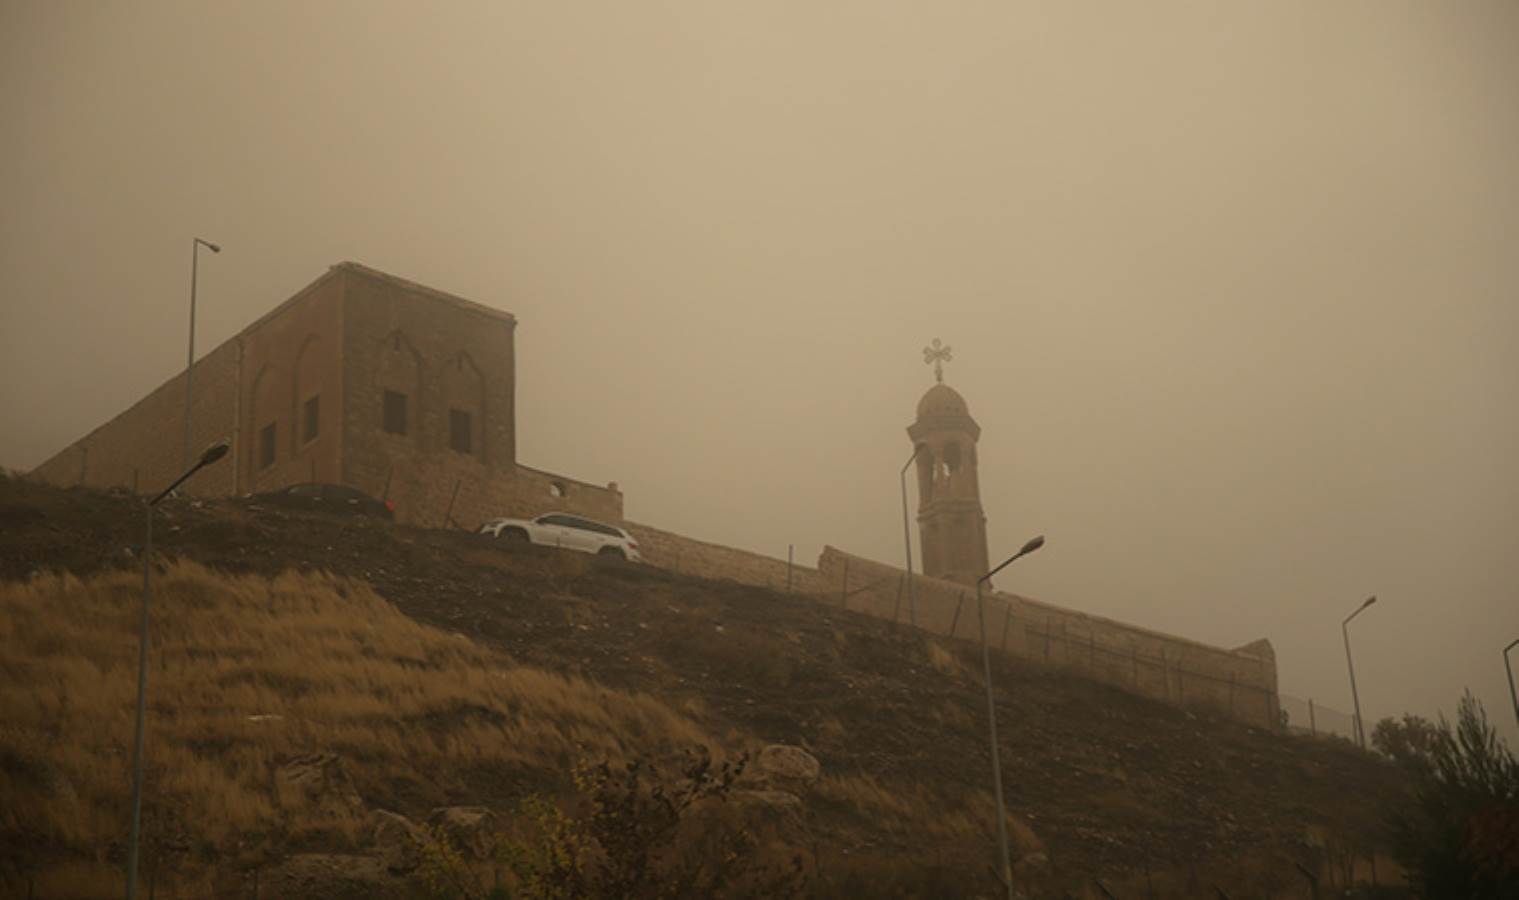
317,784
471,829
781,767
398,841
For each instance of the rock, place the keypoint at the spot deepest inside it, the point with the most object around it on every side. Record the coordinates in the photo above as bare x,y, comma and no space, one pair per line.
782,767
398,841
469,828
317,783
1031,866
333,877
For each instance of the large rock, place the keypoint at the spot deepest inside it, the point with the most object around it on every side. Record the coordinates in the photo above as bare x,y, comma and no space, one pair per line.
398,841
317,784
782,767
469,828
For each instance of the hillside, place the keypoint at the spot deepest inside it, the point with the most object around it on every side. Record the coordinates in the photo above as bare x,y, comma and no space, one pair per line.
447,669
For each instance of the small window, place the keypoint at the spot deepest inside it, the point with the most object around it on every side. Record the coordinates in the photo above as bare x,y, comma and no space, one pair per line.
313,419
458,430
395,412
266,446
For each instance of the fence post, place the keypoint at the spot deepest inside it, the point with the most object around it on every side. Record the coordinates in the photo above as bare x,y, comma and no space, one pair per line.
1313,880
449,515
789,549
1313,727
955,622
1007,619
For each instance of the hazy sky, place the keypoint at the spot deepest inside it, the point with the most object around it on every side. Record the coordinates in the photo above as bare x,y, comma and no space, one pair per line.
1233,288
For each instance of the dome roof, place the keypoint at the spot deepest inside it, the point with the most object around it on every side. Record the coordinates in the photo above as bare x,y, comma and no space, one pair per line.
942,400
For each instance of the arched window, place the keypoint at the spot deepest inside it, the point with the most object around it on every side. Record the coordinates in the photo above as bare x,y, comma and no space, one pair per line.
399,380
464,394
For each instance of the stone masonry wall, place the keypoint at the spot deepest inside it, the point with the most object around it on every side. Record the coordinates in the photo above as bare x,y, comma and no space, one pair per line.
1240,683
679,553
142,448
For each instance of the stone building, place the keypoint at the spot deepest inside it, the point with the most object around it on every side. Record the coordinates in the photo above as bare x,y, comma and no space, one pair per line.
361,378
951,523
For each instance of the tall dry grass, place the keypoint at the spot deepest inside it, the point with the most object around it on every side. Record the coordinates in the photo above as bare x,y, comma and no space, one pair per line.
246,672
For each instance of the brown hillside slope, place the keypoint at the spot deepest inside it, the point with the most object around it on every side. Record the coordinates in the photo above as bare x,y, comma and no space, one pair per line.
1111,783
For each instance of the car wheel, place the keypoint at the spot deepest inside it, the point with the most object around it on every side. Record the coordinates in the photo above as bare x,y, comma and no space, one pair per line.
612,551
514,535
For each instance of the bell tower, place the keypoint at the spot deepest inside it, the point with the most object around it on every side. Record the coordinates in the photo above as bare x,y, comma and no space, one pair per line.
951,524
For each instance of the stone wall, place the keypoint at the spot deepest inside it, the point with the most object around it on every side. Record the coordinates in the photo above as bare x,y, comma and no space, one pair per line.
458,492
142,448
1240,683
679,553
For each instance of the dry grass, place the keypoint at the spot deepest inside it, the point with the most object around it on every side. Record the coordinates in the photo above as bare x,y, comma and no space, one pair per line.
908,811
246,672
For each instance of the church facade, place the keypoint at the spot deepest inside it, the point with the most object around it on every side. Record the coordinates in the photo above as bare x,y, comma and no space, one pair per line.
361,378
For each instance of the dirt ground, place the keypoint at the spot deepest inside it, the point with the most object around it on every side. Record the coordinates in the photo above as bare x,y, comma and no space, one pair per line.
1117,787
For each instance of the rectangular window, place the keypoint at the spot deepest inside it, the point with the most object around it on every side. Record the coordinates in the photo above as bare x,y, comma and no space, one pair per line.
395,412
313,419
459,430
266,446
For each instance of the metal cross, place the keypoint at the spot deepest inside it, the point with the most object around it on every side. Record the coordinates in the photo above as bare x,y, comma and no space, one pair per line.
938,354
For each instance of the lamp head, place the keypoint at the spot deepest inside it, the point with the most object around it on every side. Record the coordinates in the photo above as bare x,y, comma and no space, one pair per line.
214,452
1032,545
1369,600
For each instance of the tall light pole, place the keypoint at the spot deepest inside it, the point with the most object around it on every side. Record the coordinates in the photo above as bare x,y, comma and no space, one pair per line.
991,713
912,610
1513,696
1360,731
190,361
213,453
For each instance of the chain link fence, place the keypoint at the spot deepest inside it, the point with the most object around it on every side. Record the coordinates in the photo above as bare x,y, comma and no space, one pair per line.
1308,717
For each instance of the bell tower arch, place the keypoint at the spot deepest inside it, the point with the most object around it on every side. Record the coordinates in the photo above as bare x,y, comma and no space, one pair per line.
951,523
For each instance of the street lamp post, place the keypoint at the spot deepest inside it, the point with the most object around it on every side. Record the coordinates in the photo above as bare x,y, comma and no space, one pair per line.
1355,697
213,453
991,713
1512,696
190,362
912,610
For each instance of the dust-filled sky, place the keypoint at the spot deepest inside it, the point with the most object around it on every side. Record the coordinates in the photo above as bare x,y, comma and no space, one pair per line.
1233,288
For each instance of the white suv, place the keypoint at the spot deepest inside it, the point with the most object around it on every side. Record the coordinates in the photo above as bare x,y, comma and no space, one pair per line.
567,531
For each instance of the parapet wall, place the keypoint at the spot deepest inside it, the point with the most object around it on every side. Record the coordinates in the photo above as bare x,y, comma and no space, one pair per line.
689,556
457,491
1239,683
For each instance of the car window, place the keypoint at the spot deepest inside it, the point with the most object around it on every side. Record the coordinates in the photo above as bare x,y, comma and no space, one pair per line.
597,527
561,521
